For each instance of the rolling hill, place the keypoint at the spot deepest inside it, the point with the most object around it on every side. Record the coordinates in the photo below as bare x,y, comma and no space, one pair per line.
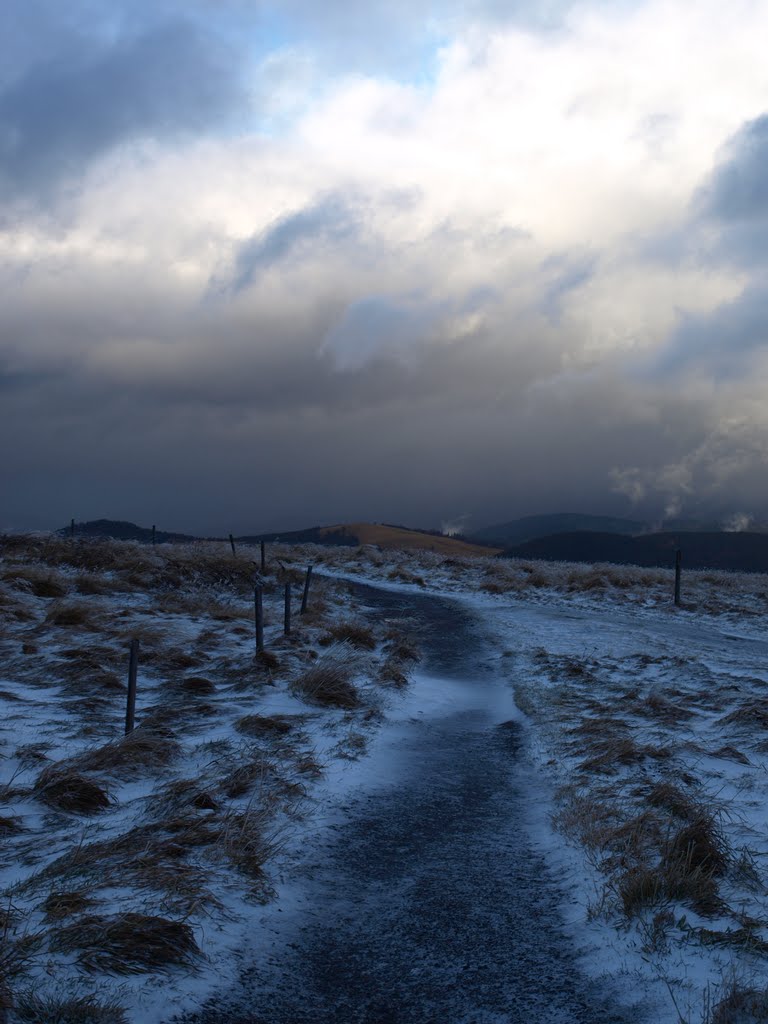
737,552
519,531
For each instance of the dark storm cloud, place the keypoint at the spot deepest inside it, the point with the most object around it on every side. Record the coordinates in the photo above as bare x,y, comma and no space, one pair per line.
61,112
567,272
738,189
330,221
735,198
723,341
728,227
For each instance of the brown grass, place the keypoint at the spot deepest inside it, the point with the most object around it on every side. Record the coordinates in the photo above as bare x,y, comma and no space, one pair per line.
31,1008
67,790
397,537
245,842
143,749
611,754
353,633
60,905
72,615
750,713
328,684
740,1005
264,725
242,779
127,943
37,581
197,685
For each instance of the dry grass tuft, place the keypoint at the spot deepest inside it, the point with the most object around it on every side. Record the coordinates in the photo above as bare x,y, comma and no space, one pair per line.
142,749
127,943
353,633
243,778
244,840
672,799
31,1008
740,1005
402,649
197,685
264,725
71,614
750,713
660,707
267,660
391,674
40,582
700,846
691,861
67,790
610,754
184,795
328,684
59,905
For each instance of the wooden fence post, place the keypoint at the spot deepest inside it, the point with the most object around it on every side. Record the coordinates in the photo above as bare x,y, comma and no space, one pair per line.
153,536
287,620
258,612
232,545
305,595
263,557
133,665
678,565
72,528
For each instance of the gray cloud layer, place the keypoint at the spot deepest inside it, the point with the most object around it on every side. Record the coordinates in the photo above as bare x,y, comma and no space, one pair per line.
190,355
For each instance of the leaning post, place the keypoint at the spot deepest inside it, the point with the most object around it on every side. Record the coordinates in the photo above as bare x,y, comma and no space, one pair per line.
305,595
258,613
678,569
133,665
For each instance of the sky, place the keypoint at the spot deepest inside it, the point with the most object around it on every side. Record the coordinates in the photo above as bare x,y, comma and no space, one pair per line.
266,265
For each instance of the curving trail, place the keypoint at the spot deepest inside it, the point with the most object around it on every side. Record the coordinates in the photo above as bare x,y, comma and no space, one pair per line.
423,900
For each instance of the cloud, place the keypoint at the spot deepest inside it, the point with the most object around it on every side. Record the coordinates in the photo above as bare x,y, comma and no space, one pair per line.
327,222
738,189
499,279
57,116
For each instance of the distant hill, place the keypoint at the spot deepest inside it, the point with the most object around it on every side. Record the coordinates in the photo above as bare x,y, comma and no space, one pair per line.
519,531
120,530
345,535
737,552
379,534
401,537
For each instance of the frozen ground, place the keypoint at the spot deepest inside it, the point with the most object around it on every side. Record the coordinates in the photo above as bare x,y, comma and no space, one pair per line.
425,900
630,797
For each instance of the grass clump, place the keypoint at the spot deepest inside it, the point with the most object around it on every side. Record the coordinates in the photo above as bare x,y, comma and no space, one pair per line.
67,790
60,905
142,749
128,943
353,633
71,614
740,1004
264,725
31,1008
328,684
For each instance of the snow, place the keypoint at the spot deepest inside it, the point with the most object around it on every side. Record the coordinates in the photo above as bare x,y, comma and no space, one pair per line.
554,643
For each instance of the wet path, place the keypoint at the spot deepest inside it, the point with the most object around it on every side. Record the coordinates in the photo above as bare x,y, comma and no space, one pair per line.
424,902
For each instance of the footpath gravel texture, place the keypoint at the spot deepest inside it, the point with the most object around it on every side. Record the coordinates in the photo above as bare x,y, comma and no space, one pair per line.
425,902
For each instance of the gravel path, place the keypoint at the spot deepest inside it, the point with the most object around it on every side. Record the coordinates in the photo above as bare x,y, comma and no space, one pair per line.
424,902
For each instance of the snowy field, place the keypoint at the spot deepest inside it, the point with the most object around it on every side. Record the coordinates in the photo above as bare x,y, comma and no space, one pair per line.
133,868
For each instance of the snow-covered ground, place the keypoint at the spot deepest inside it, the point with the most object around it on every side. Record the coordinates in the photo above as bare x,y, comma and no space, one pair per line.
153,855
